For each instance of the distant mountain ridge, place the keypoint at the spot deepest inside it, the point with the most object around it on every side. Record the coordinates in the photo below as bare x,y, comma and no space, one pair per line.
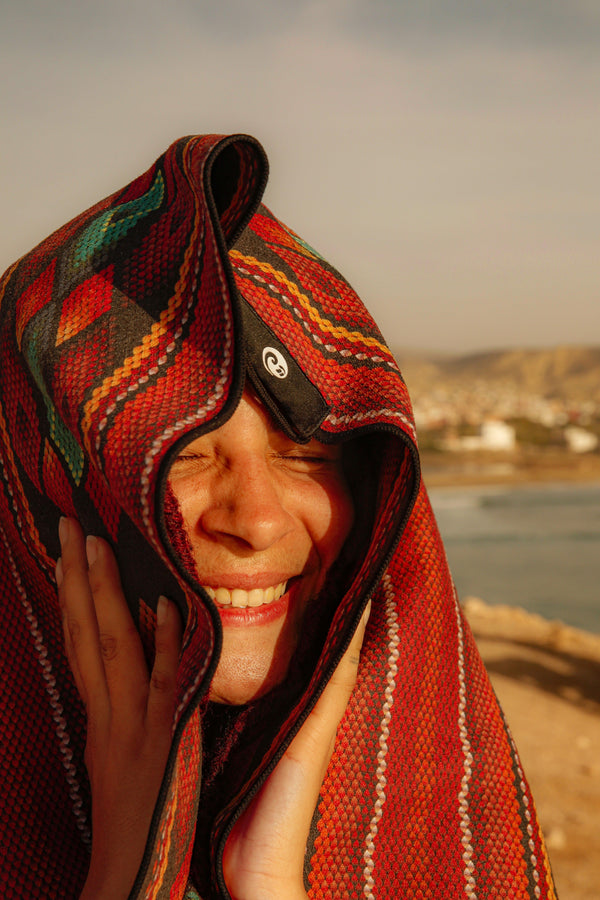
565,372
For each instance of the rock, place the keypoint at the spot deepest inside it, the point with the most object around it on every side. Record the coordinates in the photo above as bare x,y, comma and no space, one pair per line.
513,623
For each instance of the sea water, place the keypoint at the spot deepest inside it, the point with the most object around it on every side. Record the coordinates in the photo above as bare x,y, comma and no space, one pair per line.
534,547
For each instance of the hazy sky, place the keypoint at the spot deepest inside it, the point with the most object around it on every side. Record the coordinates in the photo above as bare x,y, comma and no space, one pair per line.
445,155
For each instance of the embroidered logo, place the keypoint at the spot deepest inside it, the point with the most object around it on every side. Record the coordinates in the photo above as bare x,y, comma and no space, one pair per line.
274,362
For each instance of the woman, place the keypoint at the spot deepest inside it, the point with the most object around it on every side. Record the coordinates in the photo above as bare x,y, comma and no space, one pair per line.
166,357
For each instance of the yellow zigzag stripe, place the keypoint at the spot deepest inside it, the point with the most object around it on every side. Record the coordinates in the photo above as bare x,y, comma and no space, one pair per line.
324,324
150,340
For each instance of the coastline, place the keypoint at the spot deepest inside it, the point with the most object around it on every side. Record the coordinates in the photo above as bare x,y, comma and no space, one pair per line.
522,468
547,678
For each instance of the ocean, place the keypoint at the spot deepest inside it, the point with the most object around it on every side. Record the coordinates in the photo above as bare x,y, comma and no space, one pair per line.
536,547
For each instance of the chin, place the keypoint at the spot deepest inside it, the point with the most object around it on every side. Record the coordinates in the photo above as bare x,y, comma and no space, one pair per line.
236,684
239,694
254,660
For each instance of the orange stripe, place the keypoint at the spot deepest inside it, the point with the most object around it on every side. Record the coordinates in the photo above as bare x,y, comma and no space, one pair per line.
147,345
325,324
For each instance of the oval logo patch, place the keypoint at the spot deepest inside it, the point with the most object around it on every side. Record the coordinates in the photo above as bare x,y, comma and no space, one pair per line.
274,362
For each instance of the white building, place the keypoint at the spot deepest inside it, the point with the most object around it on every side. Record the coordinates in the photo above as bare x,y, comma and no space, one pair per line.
494,434
579,440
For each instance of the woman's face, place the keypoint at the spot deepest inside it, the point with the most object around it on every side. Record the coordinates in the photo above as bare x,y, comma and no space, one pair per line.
266,518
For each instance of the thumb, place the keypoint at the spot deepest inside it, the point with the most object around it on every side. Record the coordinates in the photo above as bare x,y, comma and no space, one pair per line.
322,723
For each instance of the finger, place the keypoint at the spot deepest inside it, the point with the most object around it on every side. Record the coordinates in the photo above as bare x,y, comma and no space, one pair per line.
163,679
123,659
267,844
80,625
69,650
290,794
318,733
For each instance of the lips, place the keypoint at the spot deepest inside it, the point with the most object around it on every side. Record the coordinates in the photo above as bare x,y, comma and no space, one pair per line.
237,598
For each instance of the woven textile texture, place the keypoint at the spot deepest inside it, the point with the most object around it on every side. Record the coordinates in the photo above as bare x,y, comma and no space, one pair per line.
124,334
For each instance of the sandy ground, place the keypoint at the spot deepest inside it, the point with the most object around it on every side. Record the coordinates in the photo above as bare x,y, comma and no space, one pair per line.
547,677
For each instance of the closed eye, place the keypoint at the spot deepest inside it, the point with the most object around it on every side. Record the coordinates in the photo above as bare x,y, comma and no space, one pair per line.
186,457
309,462
189,462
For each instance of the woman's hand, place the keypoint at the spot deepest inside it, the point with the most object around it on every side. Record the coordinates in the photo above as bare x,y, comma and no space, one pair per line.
264,855
129,712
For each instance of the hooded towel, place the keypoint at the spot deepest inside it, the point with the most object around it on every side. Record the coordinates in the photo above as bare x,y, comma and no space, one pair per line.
129,331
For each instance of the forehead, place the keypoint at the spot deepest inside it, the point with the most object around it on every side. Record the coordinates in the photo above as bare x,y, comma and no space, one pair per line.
251,421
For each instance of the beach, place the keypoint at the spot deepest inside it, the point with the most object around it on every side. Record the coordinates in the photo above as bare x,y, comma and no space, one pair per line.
499,468
547,678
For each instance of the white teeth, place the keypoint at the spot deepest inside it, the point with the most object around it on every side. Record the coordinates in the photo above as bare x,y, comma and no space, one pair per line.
256,597
223,597
239,599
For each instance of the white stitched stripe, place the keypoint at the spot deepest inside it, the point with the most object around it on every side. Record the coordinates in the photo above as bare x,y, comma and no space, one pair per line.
55,702
292,303
373,414
463,796
199,415
523,788
392,671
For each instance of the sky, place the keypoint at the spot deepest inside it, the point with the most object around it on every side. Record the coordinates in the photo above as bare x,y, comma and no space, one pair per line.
444,155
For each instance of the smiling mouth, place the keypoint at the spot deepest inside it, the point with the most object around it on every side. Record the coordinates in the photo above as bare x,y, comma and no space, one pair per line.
236,598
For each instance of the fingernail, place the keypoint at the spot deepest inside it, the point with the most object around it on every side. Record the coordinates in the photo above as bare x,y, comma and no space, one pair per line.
91,549
63,530
58,572
161,609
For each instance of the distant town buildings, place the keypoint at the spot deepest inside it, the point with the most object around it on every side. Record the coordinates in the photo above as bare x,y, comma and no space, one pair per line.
492,434
503,417
579,440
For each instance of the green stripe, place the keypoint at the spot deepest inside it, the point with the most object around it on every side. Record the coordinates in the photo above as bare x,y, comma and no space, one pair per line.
114,224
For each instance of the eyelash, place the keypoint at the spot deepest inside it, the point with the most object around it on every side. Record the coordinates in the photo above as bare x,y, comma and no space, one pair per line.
314,458
310,461
189,462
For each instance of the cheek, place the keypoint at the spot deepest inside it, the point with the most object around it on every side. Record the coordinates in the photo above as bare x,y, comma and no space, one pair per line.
191,497
331,519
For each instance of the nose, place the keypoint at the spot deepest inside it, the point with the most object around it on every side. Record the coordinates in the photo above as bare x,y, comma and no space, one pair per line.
248,508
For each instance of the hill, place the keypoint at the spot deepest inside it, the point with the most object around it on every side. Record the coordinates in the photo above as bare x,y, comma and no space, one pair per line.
565,372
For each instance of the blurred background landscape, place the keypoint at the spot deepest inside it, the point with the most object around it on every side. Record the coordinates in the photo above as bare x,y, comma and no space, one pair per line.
446,157
510,445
